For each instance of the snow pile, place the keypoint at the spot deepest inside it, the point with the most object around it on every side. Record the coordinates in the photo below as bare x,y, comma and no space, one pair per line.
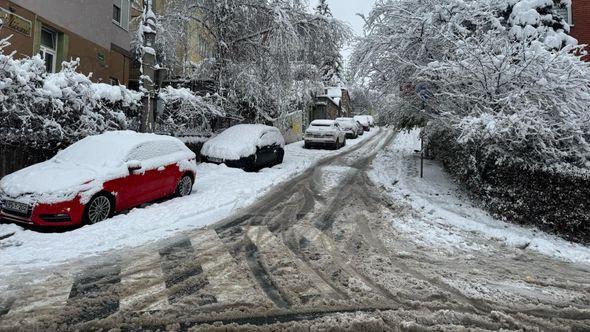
58,108
186,113
242,141
83,168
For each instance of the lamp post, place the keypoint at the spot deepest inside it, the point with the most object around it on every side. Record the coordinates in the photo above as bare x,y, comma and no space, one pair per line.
148,67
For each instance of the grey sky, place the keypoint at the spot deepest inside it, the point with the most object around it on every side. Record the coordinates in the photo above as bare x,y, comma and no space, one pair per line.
346,10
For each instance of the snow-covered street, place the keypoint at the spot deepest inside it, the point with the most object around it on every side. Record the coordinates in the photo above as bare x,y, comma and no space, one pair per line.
219,192
358,241
322,165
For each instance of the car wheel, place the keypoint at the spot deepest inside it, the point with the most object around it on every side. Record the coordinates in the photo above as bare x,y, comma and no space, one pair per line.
306,145
337,144
280,157
185,186
99,209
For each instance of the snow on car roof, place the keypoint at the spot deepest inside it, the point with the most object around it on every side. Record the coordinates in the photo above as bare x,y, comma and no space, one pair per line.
83,168
241,141
322,122
108,149
362,119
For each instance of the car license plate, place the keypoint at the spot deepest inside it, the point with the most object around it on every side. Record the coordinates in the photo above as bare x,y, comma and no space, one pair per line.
16,206
215,160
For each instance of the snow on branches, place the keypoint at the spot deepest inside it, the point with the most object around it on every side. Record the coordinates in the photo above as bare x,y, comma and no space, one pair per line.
49,110
185,113
253,50
502,76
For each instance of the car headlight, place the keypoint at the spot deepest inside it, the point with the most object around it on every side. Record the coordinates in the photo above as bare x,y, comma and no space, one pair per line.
2,198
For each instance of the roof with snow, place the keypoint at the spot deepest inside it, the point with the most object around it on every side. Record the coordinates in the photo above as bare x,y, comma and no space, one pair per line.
335,94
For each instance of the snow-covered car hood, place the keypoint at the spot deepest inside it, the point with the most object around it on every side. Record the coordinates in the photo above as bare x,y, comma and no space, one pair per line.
49,182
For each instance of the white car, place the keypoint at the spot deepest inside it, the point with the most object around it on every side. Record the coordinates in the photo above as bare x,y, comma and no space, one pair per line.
325,133
364,121
349,126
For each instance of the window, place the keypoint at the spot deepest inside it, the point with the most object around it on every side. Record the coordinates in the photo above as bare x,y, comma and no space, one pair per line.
121,13
152,150
565,12
48,48
117,14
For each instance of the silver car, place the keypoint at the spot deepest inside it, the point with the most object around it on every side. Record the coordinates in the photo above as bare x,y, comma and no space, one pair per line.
349,126
325,133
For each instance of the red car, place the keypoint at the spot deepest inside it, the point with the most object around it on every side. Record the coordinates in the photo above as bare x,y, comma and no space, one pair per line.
96,177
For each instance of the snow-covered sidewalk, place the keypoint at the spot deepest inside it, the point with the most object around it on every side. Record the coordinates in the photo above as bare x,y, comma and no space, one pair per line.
219,192
444,218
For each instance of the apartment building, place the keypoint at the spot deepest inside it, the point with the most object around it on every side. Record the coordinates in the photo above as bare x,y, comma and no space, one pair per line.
96,31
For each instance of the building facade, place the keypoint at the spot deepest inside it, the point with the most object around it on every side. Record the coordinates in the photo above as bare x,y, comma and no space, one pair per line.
578,17
95,31
332,103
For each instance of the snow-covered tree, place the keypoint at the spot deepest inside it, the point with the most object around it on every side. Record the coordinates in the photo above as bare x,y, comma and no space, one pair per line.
185,113
501,76
323,8
332,68
258,48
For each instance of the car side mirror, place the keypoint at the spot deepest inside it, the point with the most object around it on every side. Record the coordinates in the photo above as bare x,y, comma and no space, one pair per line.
134,165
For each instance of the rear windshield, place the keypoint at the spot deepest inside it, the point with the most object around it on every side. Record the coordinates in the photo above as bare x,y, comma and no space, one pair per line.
320,125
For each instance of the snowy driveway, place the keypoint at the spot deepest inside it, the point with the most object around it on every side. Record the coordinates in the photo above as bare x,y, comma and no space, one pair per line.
219,192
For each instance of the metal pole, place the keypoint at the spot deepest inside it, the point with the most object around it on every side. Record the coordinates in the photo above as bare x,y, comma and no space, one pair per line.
421,157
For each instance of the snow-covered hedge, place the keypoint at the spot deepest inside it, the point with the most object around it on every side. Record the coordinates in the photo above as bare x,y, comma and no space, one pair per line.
49,110
555,202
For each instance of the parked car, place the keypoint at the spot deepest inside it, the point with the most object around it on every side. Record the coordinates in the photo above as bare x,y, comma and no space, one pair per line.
324,133
96,177
371,120
349,126
364,122
251,147
359,128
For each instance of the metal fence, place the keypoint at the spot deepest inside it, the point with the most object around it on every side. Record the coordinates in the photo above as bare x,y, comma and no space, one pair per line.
14,158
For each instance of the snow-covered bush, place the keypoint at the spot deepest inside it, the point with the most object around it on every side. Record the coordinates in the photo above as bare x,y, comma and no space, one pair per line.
500,84
51,110
186,113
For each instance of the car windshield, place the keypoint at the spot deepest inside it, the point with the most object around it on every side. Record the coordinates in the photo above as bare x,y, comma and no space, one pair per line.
90,152
320,125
